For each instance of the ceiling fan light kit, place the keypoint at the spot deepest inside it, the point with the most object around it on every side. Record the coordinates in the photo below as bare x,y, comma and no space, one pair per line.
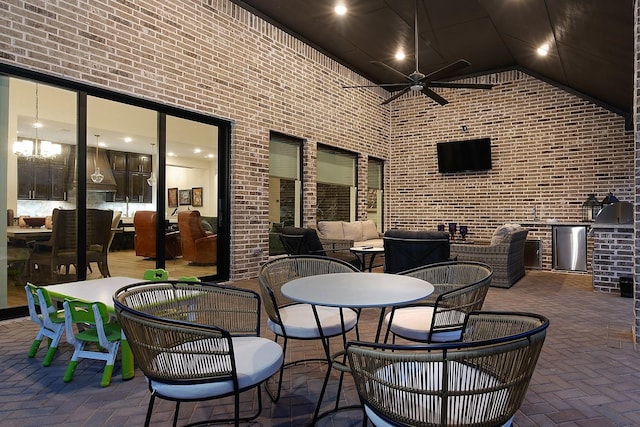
418,81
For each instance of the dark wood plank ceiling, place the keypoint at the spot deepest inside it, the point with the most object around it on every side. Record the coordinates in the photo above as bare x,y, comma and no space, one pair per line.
591,41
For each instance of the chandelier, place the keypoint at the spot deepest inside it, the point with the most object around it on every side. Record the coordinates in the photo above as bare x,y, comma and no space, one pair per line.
36,148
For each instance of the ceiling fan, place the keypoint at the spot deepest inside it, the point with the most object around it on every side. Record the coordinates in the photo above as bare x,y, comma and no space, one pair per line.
418,81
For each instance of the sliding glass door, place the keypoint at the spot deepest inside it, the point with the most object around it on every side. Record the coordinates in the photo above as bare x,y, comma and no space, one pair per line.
67,149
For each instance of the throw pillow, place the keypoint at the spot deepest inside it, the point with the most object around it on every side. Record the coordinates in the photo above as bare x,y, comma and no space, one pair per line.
502,233
352,230
369,230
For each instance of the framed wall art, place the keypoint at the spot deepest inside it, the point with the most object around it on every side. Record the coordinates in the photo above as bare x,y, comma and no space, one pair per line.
196,196
172,197
185,197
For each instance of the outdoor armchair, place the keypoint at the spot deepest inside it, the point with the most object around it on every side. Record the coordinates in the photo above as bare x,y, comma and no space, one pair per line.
460,288
305,241
481,381
197,341
505,255
292,320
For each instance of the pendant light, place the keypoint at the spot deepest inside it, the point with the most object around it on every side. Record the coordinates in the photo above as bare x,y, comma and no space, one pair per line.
96,176
152,179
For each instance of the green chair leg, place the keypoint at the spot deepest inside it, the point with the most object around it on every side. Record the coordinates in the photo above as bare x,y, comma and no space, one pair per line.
71,368
34,348
49,357
106,376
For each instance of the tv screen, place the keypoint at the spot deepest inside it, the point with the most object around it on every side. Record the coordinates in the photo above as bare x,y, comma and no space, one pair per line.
464,156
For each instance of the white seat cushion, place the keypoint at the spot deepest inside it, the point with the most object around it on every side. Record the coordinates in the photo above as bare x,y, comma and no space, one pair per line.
256,360
414,323
427,408
299,321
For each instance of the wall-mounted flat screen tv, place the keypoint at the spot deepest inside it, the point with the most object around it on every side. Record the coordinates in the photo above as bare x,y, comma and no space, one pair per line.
464,156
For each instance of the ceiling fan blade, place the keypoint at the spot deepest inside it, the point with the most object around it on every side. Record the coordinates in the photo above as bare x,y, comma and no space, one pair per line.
461,85
395,96
431,94
393,70
447,70
380,85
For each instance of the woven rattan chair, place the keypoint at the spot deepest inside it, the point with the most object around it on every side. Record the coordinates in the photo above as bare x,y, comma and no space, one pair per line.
478,382
505,258
292,320
197,341
460,288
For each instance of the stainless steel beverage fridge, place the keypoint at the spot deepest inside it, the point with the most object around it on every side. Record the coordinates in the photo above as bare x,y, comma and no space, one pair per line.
569,247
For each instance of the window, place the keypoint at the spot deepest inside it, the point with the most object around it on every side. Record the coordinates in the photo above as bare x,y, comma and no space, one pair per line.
336,185
375,192
284,187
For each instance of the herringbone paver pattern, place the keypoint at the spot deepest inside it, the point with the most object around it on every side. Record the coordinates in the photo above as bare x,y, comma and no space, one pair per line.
588,373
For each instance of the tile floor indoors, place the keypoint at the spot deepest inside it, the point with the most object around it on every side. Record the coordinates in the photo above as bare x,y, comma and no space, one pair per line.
588,373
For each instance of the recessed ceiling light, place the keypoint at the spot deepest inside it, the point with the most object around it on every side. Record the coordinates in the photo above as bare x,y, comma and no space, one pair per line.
128,139
543,50
340,9
197,151
400,55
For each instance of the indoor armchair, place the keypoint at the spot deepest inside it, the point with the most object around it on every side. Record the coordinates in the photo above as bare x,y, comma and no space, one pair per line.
199,247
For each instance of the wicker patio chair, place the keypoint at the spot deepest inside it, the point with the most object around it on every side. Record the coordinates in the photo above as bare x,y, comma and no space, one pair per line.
505,258
197,341
481,381
460,288
292,320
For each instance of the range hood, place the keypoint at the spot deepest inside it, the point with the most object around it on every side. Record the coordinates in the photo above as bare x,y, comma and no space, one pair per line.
108,183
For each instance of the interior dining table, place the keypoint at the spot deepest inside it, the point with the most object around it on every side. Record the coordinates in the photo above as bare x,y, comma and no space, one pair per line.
15,232
354,291
99,290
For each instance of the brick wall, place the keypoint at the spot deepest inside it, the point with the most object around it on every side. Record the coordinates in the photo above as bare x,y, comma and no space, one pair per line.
550,149
612,257
213,57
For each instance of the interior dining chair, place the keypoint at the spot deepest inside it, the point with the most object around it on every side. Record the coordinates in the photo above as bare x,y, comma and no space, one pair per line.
50,320
102,333
460,288
196,341
98,231
293,320
156,274
479,381
48,259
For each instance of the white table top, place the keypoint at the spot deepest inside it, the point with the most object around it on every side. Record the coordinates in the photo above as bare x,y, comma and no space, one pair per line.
92,290
357,290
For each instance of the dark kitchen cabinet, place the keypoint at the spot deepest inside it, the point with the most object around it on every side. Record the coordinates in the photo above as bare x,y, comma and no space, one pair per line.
40,179
131,171
118,162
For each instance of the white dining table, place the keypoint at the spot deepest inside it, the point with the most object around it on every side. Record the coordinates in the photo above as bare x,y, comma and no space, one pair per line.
99,290
353,290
